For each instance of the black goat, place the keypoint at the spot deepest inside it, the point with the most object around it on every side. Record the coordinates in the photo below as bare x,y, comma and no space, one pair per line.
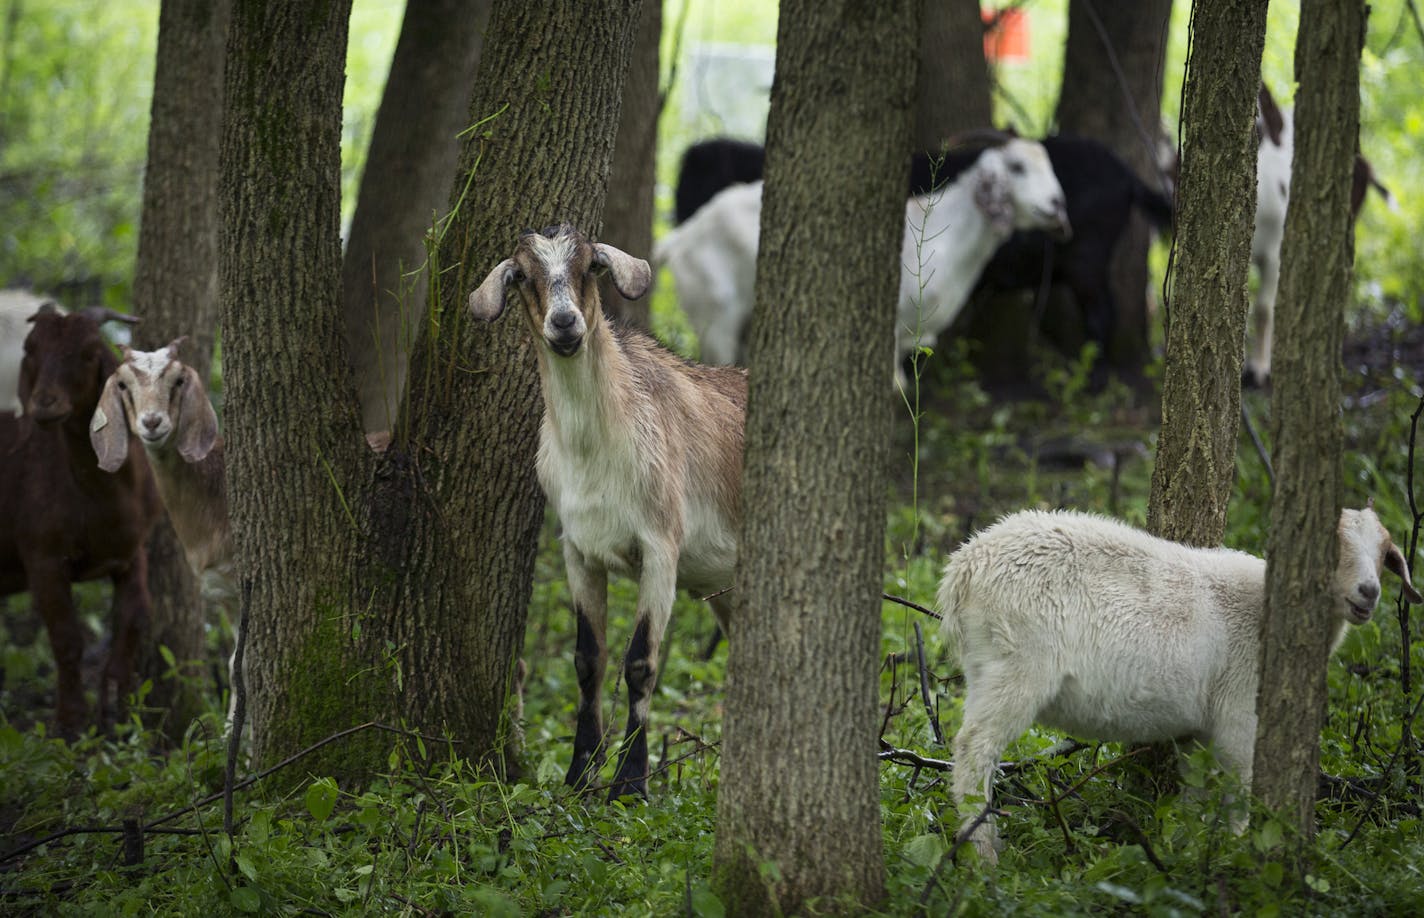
1099,188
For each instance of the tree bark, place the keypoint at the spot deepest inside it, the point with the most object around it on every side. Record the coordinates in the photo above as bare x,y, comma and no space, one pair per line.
952,86
175,292
394,587
1302,549
1206,312
405,184
292,435
628,215
1112,92
799,774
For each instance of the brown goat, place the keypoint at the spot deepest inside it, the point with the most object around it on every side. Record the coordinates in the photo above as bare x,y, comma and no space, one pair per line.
62,519
640,455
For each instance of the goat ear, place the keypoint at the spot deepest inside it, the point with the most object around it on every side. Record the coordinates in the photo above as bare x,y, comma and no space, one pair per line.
109,430
197,422
174,345
1395,563
487,302
631,276
991,196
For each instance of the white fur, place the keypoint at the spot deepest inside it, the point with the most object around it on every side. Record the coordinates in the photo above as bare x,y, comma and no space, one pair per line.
1087,625
1273,177
950,235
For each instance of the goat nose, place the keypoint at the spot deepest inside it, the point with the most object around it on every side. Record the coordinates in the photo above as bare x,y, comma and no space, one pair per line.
151,421
1370,591
563,320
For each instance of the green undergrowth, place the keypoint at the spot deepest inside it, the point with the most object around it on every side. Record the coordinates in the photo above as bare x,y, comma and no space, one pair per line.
434,836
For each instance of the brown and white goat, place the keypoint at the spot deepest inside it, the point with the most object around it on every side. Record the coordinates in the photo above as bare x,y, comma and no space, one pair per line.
640,455
162,403
62,519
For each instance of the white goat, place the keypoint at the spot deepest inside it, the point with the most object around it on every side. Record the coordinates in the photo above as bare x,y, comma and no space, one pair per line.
162,402
1276,127
640,455
950,235
17,305
1087,625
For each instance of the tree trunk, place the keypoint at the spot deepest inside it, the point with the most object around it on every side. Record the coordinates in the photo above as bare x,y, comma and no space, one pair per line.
1206,313
953,81
175,292
405,184
799,780
1302,549
628,215
292,435
394,588
1112,92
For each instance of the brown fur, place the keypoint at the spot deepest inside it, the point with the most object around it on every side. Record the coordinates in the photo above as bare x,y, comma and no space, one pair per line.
62,519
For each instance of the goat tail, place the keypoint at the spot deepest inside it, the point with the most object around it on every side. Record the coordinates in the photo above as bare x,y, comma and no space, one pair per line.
950,600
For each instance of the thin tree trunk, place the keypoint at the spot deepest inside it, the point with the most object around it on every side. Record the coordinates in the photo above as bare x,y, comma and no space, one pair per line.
175,292
1317,254
405,184
952,86
1112,92
799,775
1206,313
628,215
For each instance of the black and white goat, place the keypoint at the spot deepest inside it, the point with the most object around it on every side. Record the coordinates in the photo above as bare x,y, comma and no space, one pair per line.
950,235
640,455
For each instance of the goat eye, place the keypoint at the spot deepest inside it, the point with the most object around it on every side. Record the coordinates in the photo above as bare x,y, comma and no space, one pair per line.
177,382
123,386
1016,168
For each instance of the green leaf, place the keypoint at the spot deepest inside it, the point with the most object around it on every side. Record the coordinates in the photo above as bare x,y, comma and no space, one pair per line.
321,798
1120,892
167,656
925,850
1268,836
246,899
245,865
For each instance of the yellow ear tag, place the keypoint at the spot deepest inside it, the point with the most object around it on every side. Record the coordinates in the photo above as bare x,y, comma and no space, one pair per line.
100,420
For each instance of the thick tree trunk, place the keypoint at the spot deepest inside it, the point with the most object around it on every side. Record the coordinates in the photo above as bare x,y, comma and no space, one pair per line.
175,292
405,184
1206,312
1112,92
1302,550
293,439
799,774
628,215
394,589
952,86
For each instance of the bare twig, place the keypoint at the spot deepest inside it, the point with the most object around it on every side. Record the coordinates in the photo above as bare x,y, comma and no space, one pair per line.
1264,456
1405,736
889,597
239,703
925,684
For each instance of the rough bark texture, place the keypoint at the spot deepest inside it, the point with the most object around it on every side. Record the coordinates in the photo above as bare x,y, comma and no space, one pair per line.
628,215
1302,550
393,588
1112,92
293,440
175,292
1206,313
406,182
952,86
799,776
